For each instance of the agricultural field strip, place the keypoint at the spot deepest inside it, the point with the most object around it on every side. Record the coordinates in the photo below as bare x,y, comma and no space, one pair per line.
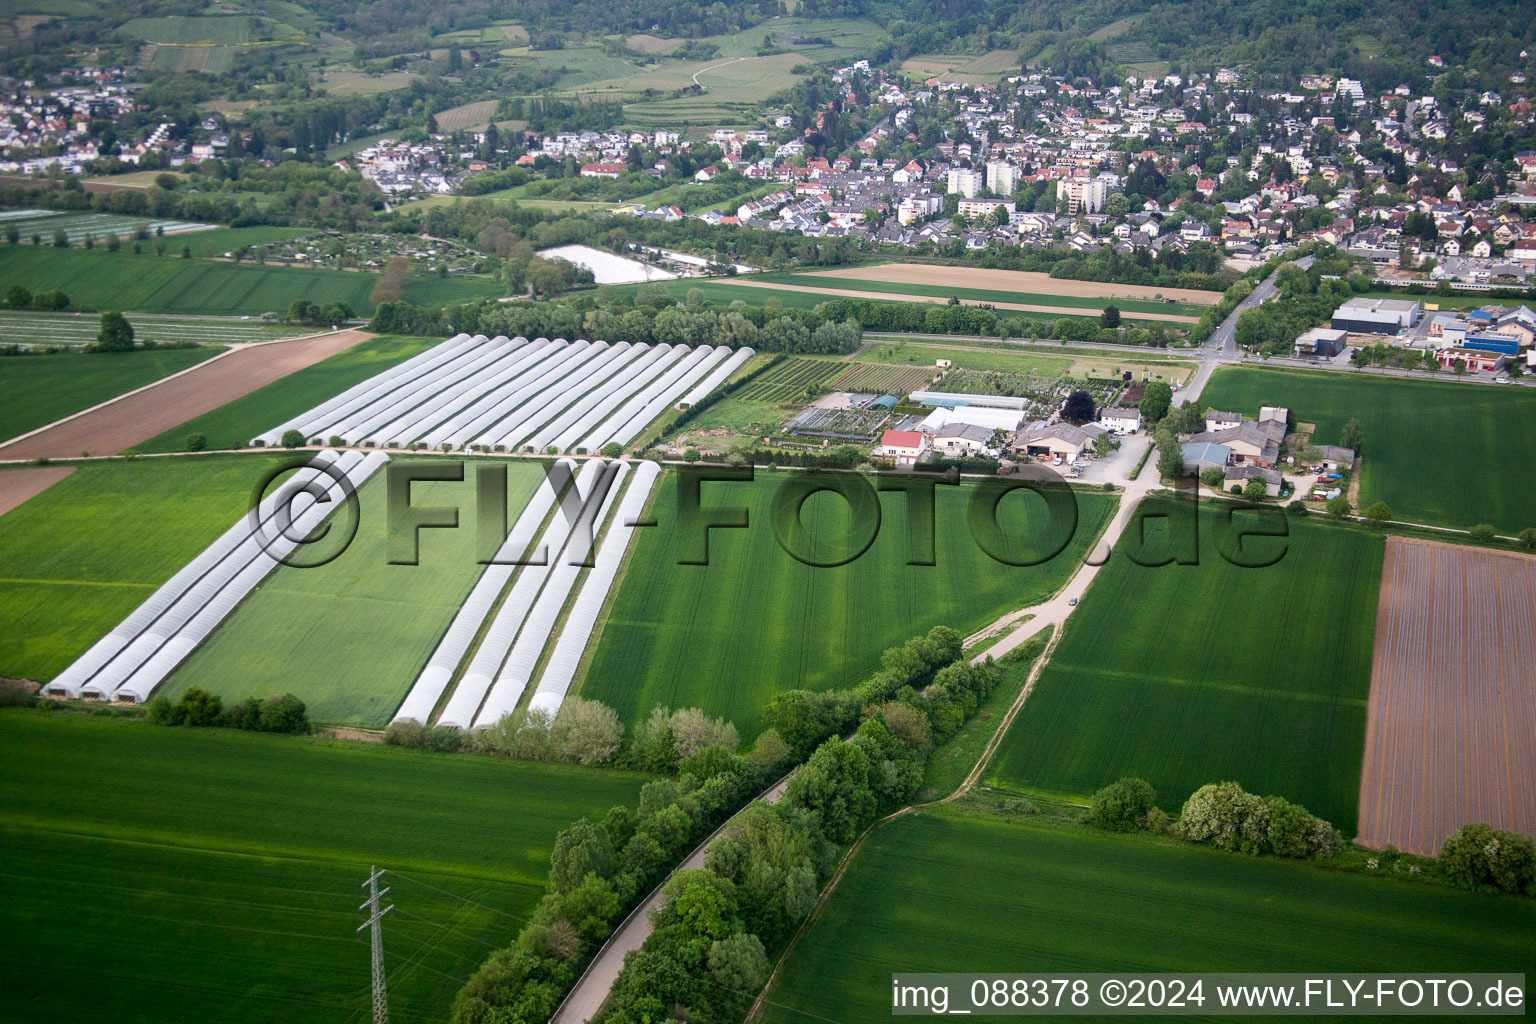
484,666
1449,737
895,380
1050,307
1028,281
76,226
47,329
1089,303
790,379
517,671
576,633
430,684
505,393
131,660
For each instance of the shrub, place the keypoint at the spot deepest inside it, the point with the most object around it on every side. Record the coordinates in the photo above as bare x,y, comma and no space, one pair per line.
1122,806
1221,814
197,442
1482,532
587,731
1479,855
14,693
293,439
336,441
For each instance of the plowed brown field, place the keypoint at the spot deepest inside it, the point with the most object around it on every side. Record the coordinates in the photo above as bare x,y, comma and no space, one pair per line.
125,422
1451,734
1016,281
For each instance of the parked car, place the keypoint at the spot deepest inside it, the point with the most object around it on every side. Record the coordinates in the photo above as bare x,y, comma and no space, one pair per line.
1502,380
1071,602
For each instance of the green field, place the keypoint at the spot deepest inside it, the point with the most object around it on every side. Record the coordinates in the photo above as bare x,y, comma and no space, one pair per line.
788,381
169,284
83,554
945,891
1188,674
233,425
718,290
50,330
41,389
353,633
1440,452
814,280
150,874
754,621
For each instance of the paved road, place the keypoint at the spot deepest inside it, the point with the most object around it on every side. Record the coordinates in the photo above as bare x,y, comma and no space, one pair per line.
592,988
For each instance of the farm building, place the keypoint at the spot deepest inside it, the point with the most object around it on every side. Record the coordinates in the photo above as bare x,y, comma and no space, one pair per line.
1120,420
1200,456
1216,420
1061,440
959,439
907,447
1239,476
1258,443
1336,459
991,419
1376,316
954,399
1321,343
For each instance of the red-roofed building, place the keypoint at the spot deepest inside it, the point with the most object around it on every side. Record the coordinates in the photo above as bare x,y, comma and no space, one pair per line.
602,170
905,446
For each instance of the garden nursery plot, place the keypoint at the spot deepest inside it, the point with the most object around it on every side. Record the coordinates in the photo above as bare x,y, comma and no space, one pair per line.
356,631
223,883
1440,452
791,380
946,891
40,389
1188,674
729,635
79,226
86,552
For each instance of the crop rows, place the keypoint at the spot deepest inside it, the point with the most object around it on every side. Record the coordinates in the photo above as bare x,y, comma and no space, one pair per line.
76,226
44,329
894,380
1259,675
790,380
1449,740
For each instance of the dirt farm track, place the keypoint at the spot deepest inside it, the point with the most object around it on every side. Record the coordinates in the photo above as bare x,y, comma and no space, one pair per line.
1451,733
1016,281
108,429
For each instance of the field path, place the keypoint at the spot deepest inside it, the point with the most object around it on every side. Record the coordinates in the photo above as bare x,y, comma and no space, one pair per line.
592,988
853,293
1017,281
19,485
714,67
137,416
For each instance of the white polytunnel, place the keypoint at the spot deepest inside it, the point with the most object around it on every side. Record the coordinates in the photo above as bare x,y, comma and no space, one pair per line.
517,670
560,669
716,378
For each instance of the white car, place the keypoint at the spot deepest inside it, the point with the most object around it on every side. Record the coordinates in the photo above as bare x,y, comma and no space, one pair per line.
1502,380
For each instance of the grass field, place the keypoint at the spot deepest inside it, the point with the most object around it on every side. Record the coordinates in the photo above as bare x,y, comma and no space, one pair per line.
1188,674
944,891
1034,360
754,621
1439,452
41,389
813,280
233,425
355,632
82,555
218,877
169,284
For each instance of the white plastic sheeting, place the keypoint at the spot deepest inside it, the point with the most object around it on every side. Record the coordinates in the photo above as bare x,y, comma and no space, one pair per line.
434,678
689,358
561,393
619,390
666,396
476,680
143,680
458,392
560,670
614,378
411,391
517,671
535,363
393,407
358,394
716,378
69,682
496,407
